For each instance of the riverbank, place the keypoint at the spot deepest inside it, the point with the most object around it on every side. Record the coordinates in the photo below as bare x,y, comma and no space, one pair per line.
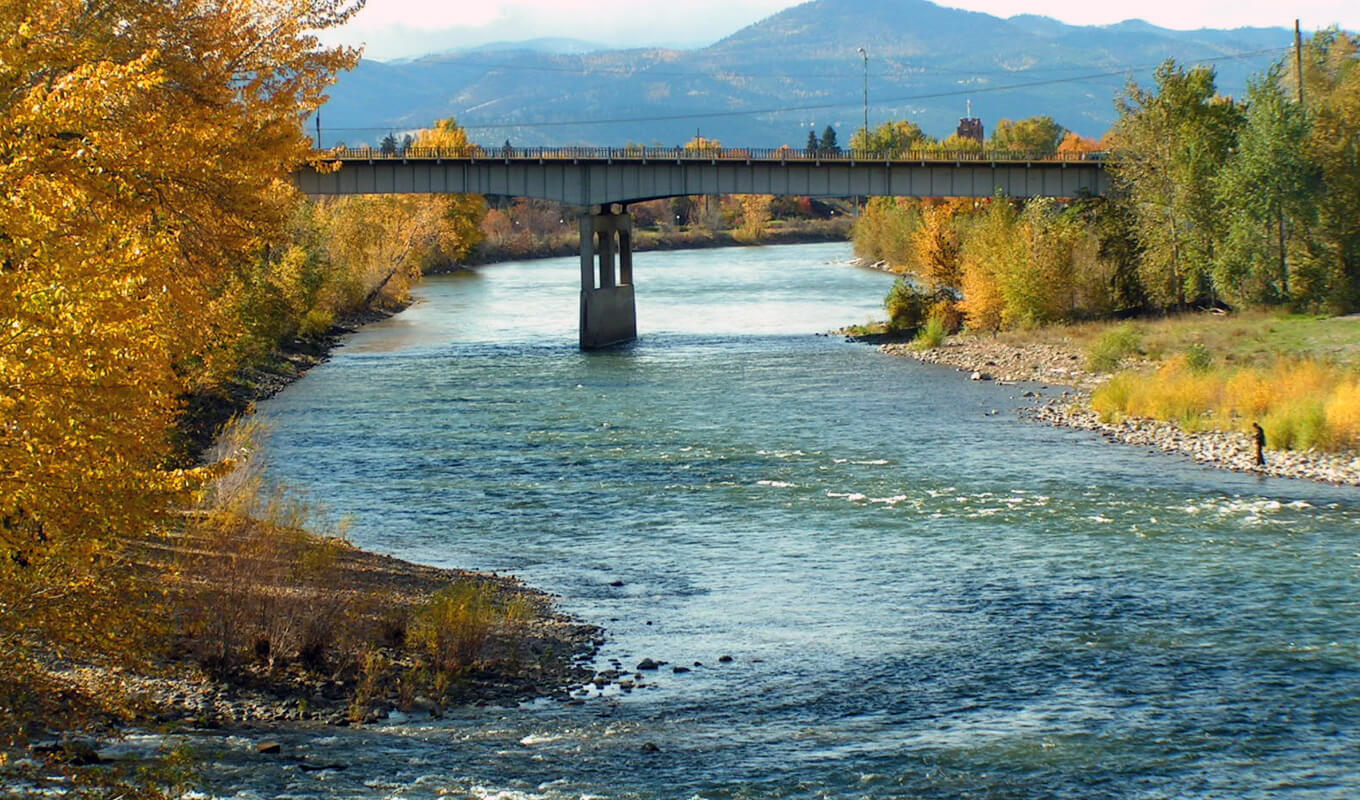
1064,400
358,611
364,604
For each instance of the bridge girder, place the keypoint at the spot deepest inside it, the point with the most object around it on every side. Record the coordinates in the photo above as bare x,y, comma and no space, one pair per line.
601,182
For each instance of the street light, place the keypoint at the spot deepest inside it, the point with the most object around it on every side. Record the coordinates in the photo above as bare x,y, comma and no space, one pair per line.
865,55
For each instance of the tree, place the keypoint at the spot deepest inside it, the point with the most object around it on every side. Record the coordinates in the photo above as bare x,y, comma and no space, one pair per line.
1074,143
828,141
812,142
937,247
146,155
1166,149
990,251
701,144
1268,188
884,231
449,137
1038,135
1332,83
955,143
890,138
388,146
755,212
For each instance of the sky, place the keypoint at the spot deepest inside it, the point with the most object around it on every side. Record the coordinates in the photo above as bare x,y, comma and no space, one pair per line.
391,29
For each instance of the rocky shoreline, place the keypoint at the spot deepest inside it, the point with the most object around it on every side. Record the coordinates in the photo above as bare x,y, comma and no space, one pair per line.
1054,365
554,655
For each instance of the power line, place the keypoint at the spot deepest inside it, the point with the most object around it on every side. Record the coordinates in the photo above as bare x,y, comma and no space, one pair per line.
828,106
904,68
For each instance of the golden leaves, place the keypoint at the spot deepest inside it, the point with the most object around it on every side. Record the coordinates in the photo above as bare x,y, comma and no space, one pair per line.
145,147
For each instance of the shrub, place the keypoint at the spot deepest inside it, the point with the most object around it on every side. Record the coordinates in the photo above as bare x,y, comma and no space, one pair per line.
932,334
907,306
452,631
1198,358
1343,416
1300,404
1112,348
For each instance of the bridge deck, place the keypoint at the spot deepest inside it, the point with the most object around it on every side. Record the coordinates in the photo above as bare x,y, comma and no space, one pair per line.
598,176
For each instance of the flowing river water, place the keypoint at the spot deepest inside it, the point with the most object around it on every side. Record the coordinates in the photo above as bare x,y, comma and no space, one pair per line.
922,597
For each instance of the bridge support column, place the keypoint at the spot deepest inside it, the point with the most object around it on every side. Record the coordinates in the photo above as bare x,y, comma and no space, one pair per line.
608,312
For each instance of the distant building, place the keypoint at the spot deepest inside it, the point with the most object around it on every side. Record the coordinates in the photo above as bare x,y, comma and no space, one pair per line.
970,128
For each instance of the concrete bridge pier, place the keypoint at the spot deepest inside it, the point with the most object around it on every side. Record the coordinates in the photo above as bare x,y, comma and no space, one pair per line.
608,312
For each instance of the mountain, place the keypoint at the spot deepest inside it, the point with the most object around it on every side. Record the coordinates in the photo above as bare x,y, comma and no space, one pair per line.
769,83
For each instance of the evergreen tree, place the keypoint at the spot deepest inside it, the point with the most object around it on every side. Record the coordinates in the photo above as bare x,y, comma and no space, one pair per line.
388,145
828,142
812,143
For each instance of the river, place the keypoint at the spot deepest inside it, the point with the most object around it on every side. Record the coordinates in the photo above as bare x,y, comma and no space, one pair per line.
922,595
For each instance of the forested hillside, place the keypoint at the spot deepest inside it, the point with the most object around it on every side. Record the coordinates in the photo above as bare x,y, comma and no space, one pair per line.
771,82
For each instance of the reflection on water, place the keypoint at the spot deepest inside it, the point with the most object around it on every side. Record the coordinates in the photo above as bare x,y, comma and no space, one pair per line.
922,599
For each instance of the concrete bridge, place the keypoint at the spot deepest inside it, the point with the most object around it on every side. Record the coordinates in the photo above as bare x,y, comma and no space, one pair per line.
603,181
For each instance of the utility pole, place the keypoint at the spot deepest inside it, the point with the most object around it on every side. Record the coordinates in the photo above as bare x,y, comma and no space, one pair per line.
1298,58
318,129
865,55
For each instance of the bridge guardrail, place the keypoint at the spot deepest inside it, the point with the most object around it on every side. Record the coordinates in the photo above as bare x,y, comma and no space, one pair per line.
679,154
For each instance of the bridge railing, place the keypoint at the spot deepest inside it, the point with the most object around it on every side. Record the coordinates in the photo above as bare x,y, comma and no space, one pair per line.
686,154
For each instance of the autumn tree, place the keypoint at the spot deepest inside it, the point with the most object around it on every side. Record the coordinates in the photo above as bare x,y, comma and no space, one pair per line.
955,143
890,138
145,151
1038,135
937,247
992,250
1073,143
1332,96
884,231
755,213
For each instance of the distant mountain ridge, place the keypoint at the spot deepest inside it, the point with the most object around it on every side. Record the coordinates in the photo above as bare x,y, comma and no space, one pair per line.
799,69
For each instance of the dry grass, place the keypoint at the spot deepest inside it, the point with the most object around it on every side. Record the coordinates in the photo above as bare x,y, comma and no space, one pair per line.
1301,404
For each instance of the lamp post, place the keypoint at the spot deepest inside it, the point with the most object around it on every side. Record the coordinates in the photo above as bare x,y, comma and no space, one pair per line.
865,55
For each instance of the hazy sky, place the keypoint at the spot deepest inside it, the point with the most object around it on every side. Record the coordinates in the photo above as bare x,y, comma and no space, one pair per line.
399,28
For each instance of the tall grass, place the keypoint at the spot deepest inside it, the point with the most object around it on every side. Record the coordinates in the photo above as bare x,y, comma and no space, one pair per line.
1301,404
249,571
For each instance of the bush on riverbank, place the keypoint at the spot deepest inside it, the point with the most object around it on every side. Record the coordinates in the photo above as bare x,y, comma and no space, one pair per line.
1301,404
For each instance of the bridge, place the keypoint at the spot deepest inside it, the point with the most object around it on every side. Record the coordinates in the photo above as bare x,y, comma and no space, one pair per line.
603,181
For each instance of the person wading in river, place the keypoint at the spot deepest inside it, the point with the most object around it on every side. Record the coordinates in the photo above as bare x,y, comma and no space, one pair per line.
1259,434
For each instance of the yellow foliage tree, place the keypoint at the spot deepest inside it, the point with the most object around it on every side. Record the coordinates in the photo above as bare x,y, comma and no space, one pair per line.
937,246
991,250
755,212
146,151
